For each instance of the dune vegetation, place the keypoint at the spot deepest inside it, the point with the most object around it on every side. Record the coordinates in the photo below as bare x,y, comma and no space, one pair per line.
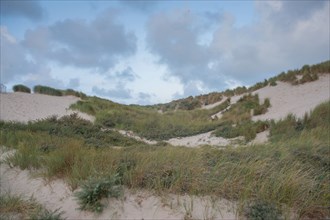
289,173
15,207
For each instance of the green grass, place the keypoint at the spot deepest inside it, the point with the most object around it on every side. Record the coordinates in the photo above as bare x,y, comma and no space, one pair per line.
57,92
289,173
14,207
248,129
148,122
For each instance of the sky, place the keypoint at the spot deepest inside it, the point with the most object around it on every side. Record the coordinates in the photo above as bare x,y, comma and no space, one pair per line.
148,52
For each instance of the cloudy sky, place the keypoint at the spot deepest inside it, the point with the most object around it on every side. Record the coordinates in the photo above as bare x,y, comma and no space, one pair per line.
147,52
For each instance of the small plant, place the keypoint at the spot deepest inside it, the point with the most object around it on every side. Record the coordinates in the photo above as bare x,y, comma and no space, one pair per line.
21,88
262,210
273,83
45,214
92,191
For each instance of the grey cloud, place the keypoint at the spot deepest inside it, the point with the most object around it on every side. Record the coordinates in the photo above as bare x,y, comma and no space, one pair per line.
96,44
120,92
126,75
268,47
174,38
286,14
243,54
144,98
15,67
143,95
28,9
13,60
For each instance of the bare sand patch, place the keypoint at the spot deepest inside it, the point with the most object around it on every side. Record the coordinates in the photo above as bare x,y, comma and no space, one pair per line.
24,107
296,99
202,139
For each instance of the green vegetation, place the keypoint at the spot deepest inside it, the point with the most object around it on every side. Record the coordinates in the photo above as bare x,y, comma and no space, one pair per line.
74,93
307,73
245,107
190,103
95,189
248,129
47,90
72,126
259,210
291,172
14,207
147,122
21,88
150,124
57,92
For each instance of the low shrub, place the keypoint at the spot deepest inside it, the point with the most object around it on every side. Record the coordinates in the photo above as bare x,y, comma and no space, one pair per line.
21,88
93,190
260,210
47,90
273,83
308,77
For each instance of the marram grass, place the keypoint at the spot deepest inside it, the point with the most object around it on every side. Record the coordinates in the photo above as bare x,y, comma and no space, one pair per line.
289,173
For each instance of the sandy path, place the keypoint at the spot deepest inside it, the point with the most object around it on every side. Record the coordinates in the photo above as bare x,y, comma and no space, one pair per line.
134,205
24,107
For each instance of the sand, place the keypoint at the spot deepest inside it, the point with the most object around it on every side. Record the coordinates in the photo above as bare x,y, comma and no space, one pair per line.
203,139
298,100
24,107
133,205
286,98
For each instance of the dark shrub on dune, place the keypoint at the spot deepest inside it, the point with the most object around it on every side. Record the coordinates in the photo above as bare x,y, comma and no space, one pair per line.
21,88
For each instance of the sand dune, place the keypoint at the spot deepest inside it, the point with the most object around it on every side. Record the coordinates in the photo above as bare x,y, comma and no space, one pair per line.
133,205
298,100
286,98
24,107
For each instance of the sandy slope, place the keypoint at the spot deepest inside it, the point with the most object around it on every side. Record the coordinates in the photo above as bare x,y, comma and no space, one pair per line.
299,99
286,98
133,205
24,107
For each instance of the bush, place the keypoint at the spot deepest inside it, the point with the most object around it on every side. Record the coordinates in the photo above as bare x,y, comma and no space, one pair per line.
21,88
89,198
260,210
273,83
308,77
47,90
